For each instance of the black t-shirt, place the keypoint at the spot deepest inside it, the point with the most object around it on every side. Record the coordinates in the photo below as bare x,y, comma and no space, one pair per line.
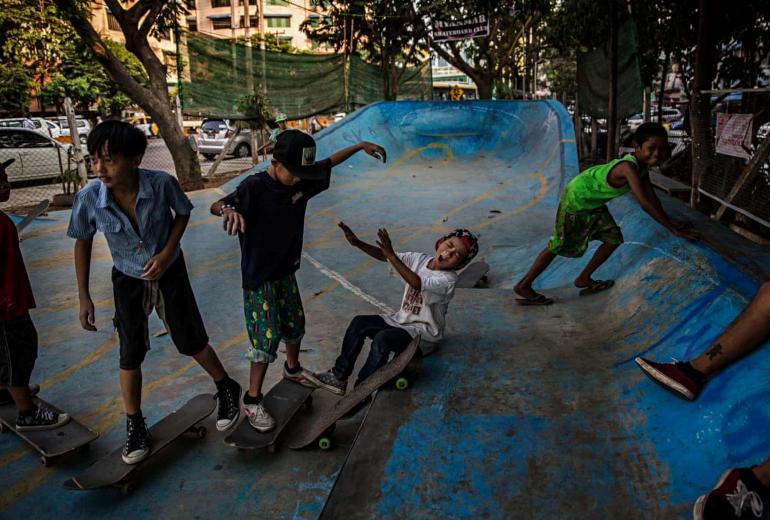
275,221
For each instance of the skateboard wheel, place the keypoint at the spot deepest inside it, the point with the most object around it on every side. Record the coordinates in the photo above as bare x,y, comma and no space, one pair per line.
402,383
45,461
201,431
324,443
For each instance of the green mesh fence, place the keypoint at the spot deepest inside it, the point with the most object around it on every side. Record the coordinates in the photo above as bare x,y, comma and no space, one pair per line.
593,74
219,73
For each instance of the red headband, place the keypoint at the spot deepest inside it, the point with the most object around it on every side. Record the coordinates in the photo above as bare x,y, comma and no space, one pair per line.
465,240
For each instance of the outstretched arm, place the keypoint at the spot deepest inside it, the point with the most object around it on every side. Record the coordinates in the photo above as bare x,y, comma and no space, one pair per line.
649,201
375,150
373,251
401,268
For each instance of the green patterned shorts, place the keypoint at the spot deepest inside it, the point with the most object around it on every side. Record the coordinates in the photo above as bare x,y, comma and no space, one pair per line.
575,230
273,313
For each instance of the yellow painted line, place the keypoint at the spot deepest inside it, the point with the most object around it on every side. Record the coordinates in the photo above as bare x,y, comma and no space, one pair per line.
390,173
106,346
39,475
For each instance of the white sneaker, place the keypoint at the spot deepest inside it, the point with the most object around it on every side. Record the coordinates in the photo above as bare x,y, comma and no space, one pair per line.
259,418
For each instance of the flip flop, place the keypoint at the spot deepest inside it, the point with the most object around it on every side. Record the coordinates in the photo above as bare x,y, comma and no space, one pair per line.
596,287
539,299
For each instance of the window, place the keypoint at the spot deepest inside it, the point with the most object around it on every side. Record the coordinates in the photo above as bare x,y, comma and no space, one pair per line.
314,20
112,22
192,25
31,139
283,3
279,21
221,23
315,3
220,3
253,21
190,4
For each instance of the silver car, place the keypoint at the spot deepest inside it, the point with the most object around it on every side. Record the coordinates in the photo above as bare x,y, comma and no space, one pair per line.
214,133
36,156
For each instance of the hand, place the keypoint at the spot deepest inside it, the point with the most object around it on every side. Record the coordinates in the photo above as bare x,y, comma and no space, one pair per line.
349,235
87,319
233,222
384,243
375,150
156,266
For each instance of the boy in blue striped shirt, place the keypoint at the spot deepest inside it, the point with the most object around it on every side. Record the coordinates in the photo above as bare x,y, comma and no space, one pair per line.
143,214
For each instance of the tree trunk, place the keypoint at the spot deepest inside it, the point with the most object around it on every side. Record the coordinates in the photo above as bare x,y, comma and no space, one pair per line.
612,109
136,25
700,104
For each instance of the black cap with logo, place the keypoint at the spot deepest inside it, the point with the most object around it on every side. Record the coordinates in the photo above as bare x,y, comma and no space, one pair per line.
296,151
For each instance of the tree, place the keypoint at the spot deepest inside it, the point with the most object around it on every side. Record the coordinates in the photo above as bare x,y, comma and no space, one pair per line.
138,22
388,33
499,56
84,80
15,86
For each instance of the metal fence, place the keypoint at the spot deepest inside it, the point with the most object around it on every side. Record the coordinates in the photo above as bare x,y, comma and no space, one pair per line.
43,168
752,198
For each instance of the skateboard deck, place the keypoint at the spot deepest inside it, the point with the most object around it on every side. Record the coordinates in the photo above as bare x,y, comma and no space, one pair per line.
112,471
472,275
32,215
325,420
49,443
283,401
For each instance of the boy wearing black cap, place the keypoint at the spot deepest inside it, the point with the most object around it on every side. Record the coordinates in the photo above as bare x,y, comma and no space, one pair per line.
267,211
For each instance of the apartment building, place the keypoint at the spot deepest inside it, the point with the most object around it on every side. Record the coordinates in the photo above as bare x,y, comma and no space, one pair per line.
226,18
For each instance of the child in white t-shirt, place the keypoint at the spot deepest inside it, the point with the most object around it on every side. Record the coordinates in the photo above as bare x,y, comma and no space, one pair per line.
430,284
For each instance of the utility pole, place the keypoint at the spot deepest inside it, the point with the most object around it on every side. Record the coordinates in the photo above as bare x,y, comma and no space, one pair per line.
250,79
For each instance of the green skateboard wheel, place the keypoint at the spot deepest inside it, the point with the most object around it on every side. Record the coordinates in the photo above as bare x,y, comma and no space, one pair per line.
324,443
402,383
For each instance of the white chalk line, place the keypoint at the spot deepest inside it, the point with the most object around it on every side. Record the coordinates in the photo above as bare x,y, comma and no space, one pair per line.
334,275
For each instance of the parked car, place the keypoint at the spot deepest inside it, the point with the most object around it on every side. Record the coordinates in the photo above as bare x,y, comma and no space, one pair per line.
214,134
669,115
43,126
37,156
84,127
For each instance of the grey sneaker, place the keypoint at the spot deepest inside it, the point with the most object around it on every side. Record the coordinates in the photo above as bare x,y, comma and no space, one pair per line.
259,418
298,377
328,381
41,418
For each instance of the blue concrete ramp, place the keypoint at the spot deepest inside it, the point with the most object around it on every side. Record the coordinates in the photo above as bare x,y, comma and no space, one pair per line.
523,412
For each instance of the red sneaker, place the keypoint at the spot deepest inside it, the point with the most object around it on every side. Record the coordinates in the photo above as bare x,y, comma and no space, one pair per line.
737,495
672,377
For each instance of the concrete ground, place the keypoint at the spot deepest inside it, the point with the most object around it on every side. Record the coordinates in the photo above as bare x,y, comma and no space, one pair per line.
523,412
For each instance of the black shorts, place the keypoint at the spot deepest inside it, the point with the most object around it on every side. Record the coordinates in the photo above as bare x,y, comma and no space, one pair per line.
18,350
176,307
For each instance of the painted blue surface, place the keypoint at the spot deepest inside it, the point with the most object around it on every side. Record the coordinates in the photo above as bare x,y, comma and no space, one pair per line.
524,412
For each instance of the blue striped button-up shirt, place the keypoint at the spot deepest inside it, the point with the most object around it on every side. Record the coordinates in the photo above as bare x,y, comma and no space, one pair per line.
95,209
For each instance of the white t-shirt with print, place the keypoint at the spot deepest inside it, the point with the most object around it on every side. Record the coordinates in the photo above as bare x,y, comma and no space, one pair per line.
423,312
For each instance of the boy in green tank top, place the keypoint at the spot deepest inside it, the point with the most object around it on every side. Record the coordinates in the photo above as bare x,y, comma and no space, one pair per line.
583,215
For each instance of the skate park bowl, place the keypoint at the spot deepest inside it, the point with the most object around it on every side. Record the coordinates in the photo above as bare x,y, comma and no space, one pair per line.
523,412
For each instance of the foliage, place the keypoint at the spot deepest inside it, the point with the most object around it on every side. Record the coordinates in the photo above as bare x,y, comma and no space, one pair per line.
272,43
257,109
15,86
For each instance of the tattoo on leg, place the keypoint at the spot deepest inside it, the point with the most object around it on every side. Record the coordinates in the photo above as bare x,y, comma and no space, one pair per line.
714,351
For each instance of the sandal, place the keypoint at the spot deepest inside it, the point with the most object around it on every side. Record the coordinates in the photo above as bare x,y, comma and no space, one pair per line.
538,299
596,287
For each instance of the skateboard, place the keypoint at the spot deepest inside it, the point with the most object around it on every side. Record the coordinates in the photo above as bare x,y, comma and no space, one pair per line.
322,426
51,444
475,275
283,401
112,471
38,210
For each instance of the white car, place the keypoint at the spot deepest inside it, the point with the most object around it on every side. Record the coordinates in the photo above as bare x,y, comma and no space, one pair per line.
36,156
84,127
43,126
669,115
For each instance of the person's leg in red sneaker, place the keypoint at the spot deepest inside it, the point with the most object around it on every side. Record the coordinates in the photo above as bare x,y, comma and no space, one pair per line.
746,333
